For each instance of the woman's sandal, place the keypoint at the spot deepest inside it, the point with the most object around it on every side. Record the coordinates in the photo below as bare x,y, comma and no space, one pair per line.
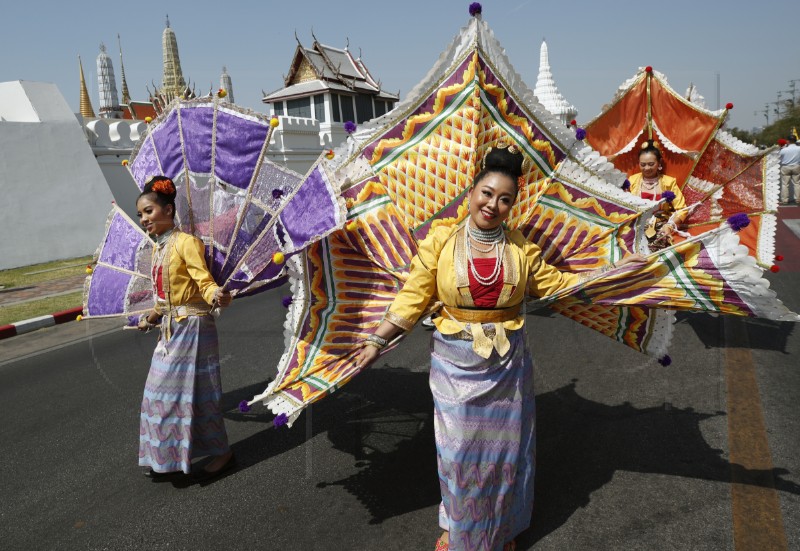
441,545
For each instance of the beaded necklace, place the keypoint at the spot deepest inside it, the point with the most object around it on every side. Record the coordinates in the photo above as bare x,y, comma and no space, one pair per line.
496,240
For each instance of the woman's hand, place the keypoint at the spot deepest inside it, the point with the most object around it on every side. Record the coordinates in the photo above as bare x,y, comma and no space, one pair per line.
366,356
222,297
144,323
631,259
667,229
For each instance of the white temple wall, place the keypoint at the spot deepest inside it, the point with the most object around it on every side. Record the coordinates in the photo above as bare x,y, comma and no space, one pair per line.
112,141
55,198
297,142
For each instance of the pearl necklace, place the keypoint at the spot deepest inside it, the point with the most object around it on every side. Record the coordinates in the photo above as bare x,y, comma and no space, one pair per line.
496,240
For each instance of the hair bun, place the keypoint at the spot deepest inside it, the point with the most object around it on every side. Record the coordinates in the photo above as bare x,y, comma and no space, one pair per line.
504,157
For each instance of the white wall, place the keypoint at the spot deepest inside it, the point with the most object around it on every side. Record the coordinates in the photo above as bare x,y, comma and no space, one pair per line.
54,197
112,141
298,141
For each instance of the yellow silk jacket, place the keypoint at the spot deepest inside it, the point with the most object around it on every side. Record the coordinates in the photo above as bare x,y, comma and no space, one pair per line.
190,282
667,183
439,273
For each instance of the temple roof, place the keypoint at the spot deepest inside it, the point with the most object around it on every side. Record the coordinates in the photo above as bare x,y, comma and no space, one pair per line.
323,68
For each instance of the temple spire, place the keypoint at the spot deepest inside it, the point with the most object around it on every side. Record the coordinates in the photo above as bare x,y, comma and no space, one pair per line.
547,93
226,84
126,96
107,86
172,82
86,104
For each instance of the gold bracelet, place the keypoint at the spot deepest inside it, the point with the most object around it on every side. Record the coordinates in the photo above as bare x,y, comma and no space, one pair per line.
373,343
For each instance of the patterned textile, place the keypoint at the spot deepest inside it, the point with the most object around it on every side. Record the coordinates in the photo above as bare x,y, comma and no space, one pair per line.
180,416
408,172
485,440
244,207
719,175
708,273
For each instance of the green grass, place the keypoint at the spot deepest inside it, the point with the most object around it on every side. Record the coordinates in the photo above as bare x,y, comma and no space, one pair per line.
36,308
17,277
47,271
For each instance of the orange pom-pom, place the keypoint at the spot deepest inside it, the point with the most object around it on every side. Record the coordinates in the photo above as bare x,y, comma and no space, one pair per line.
222,93
89,270
274,122
329,154
78,317
164,186
125,162
278,258
148,120
775,269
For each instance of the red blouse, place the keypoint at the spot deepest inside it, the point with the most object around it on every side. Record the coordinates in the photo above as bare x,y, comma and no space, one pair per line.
483,296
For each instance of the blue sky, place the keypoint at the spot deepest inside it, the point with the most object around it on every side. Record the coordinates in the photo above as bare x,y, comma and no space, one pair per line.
594,45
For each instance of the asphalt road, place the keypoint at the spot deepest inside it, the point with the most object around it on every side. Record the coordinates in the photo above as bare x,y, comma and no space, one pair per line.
631,455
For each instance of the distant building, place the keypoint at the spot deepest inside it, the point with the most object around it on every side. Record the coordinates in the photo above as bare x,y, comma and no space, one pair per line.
107,85
173,84
226,84
325,88
547,93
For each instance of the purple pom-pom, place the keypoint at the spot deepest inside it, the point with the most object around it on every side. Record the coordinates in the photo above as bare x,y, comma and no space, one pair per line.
280,420
739,221
668,196
580,133
349,127
277,193
665,360
626,185
475,9
286,301
243,407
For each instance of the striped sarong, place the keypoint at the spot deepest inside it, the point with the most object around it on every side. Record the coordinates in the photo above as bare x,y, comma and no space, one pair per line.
484,421
180,415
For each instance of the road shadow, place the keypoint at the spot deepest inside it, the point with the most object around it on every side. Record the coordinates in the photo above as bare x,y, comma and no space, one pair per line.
384,420
762,334
581,444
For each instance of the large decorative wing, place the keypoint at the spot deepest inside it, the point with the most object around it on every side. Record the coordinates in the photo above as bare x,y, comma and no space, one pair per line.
244,207
120,280
407,172
719,175
712,272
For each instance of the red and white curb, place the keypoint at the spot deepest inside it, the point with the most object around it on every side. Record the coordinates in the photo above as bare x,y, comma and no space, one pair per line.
26,326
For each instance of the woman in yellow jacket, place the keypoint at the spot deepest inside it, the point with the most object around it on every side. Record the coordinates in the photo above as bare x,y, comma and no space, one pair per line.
652,184
180,414
481,371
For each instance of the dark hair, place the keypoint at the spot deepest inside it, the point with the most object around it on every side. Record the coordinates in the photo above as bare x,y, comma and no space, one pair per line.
164,191
650,147
501,160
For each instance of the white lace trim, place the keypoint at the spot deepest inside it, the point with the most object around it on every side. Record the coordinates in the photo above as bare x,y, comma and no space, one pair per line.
668,144
744,276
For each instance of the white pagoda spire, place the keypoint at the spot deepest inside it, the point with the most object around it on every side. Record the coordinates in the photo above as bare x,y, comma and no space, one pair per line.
226,84
107,85
547,93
